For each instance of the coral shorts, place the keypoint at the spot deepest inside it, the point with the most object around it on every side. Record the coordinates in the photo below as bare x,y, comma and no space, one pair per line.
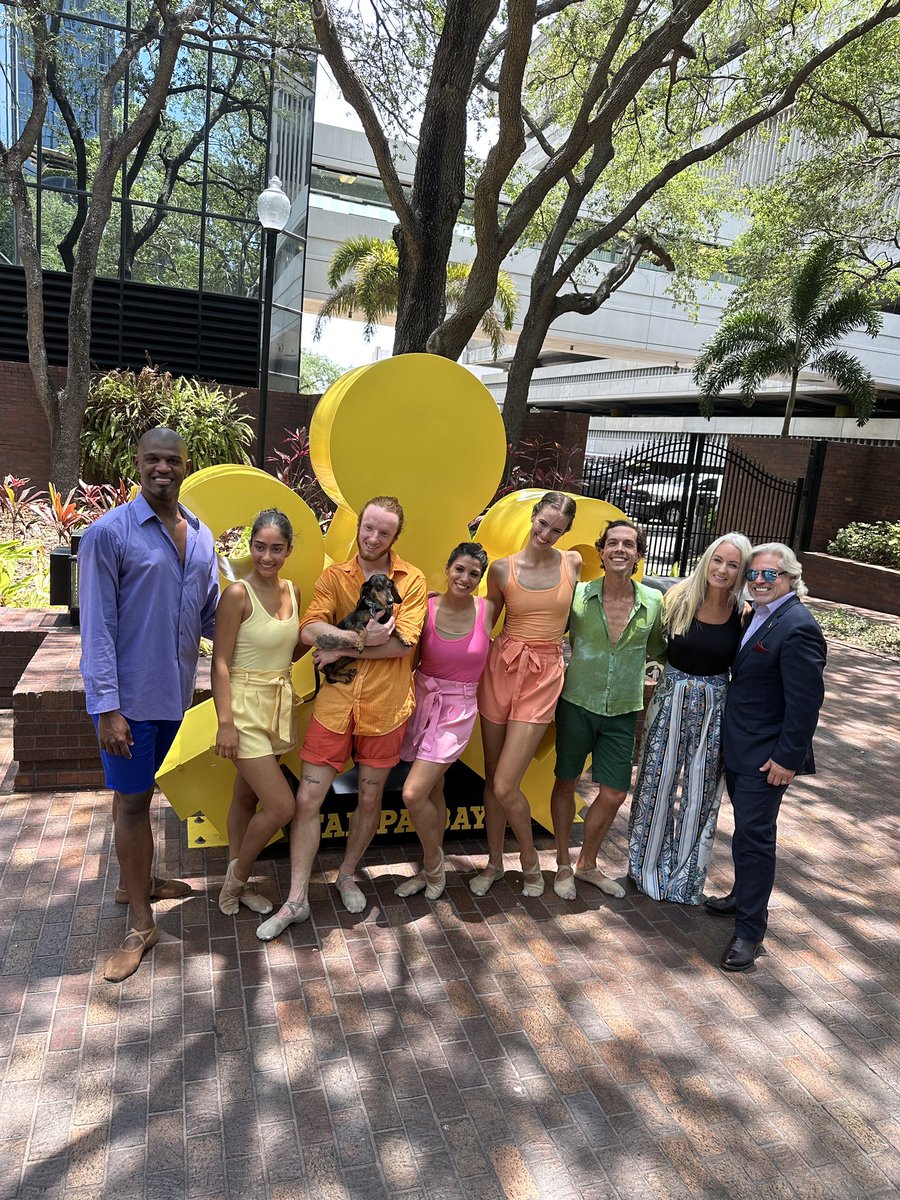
440,728
521,682
329,749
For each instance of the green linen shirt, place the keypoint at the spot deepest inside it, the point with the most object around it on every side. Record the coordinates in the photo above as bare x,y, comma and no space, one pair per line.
604,679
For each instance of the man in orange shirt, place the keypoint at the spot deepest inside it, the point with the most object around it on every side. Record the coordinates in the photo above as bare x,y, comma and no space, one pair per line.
363,719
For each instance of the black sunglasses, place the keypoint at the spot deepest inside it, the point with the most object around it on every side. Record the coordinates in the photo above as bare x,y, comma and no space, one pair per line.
769,574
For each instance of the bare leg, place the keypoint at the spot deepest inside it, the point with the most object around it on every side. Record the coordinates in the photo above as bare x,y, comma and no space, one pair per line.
423,795
520,741
562,810
261,777
492,738
363,827
315,780
134,850
597,823
240,812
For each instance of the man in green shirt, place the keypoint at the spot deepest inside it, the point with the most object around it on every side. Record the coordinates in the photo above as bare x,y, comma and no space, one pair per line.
615,626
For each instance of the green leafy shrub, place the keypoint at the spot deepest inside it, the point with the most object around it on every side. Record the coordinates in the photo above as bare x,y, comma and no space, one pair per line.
123,405
878,544
23,575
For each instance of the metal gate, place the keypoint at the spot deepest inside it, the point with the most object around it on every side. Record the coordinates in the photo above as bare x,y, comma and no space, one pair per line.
687,489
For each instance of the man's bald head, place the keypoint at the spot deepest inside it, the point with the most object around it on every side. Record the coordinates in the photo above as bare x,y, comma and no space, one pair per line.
163,438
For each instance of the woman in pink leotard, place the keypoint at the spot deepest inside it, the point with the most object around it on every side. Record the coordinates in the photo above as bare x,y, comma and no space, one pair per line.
454,647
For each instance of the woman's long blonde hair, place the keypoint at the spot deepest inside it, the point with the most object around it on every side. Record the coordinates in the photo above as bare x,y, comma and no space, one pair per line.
684,599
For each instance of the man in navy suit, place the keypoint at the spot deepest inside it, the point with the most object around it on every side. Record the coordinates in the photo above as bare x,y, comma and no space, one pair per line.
771,713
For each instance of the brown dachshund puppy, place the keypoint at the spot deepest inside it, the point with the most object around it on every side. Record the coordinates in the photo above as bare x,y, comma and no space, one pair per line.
377,595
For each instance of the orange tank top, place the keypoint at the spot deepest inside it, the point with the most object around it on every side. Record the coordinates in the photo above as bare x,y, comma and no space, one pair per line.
537,614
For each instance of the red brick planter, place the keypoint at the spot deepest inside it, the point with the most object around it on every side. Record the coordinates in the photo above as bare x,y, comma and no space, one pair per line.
849,582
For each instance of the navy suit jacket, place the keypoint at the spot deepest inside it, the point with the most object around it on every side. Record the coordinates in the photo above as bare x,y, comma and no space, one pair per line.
777,688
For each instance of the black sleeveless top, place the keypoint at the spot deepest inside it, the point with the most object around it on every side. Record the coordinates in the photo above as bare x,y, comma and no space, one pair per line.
706,649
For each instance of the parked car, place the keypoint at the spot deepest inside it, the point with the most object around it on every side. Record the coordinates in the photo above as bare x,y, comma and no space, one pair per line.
655,497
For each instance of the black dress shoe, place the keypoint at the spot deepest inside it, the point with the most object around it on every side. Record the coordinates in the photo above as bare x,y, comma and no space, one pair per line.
721,906
740,954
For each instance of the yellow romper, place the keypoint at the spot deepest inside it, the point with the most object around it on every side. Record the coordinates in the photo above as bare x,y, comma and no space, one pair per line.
261,693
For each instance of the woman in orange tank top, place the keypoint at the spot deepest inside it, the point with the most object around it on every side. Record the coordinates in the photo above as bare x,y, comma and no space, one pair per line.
523,679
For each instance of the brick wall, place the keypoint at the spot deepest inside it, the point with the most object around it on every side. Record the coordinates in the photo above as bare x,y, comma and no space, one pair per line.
22,630
54,741
25,435
859,482
859,584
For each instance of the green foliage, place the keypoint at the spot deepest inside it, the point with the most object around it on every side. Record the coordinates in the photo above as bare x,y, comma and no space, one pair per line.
797,333
374,288
878,544
317,372
123,405
23,575
859,631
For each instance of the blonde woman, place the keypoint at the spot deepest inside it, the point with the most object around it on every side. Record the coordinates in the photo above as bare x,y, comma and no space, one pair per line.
679,787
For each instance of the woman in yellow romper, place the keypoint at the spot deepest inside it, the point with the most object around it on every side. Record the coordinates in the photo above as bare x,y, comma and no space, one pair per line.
256,637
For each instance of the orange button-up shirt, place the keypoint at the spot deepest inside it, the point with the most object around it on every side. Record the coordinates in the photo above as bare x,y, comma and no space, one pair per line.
381,696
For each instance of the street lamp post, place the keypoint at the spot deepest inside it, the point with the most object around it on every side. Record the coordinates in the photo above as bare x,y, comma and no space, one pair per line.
273,208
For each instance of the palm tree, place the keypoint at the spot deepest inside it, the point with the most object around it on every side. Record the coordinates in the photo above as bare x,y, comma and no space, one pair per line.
754,344
373,289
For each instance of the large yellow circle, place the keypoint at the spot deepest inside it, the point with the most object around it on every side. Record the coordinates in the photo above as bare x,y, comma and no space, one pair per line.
226,496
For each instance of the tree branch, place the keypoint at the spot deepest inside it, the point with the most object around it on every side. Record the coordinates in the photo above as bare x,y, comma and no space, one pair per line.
356,95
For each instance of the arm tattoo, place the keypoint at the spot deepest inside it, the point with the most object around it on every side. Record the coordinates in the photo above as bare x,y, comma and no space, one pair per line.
332,641
310,779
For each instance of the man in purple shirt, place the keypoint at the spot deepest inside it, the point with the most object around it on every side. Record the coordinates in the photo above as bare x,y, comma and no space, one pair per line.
148,587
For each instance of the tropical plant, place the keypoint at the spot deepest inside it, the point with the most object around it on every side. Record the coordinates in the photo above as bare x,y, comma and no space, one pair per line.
125,404
753,344
21,503
18,590
374,289
294,469
63,515
98,498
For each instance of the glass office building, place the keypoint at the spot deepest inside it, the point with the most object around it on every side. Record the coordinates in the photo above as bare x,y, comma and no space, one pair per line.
179,267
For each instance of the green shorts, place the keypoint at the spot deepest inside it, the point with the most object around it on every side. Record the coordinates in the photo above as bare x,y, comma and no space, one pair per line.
608,740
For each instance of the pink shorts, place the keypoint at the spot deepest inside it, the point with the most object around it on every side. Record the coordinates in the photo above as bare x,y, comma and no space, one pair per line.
521,682
440,728
326,748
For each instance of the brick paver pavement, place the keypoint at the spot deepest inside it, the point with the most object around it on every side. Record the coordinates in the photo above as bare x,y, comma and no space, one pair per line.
494,1048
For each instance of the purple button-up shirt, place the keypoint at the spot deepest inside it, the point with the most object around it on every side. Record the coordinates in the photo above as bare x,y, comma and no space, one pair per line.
761,614
143,612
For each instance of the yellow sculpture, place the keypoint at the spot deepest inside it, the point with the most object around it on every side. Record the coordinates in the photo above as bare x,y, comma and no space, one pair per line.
418,427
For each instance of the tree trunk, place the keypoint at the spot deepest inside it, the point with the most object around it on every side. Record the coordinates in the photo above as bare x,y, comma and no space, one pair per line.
792,397
531,340
439,181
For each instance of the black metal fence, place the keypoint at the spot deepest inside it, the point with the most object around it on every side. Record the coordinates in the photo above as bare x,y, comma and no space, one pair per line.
686,489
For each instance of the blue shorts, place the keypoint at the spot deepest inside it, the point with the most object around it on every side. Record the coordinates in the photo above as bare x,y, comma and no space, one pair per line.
134,775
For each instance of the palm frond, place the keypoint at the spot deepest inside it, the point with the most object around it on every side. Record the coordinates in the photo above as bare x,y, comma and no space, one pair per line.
852,378
850,311
815,282
350,254
341,303
741,333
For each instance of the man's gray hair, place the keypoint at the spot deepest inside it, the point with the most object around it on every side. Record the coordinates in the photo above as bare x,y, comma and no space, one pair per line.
790,563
